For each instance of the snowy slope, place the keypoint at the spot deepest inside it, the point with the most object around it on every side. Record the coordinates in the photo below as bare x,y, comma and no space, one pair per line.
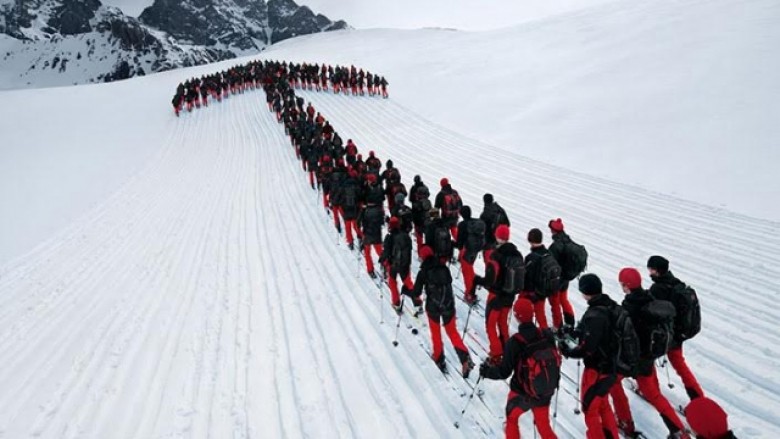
198,288
679,97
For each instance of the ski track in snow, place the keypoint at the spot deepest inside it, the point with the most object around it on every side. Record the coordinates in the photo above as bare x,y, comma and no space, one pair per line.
211,297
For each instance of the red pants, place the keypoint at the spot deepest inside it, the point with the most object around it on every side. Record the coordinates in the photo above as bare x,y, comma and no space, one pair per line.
539,311
649,388
599,418
367,254
468,271
497,326
325,199
454,232
338,213
677,360
486,254
452,333
418,236
311,178
393,283
560,305
541,420
352,225
390,202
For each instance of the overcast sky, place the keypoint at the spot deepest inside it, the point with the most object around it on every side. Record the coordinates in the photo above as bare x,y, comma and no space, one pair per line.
460,14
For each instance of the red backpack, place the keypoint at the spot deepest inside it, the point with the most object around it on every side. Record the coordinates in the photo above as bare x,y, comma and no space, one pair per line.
452,205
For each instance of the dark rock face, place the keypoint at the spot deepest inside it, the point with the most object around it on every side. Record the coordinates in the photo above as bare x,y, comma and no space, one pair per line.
193,31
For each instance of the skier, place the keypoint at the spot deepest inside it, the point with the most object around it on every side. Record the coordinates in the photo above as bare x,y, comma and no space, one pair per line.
325,171
435,278
504,274
372,163
373,193
471,240
542,276
708,420
350,204
370,221
572,258
396,261
393,190
448,200
403,213
392,179
336,198
437,236
647,381
595,347
352,151
667,287
528,388
419,196
493,215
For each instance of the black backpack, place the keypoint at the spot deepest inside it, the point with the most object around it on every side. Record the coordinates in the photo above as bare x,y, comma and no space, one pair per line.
688,321
438,289
574,260
658,316
442,243
539,371
475,237
404,214
402,251
422,193
350,196
548,281
624,346
513,279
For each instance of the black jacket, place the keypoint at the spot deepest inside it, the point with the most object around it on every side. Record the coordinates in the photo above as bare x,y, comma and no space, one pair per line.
633,304
494,275
439,301
371,220
387,252
533,263
595,336
493,215
663,289
430,235
515,351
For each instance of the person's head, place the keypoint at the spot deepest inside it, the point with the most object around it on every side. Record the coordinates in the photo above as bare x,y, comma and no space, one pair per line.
371,178
353,173
389,163
399,199
523,310
707,419
426,252
487,199
465,212
535,237
444,182
630,279
502,234
657,266
556,226
360,157
371,154
590,286
417,179
326,158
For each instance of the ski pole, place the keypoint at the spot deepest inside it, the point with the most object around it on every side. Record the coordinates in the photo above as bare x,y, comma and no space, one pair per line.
577,409
668,379
462,412
466,326
555,410
398,324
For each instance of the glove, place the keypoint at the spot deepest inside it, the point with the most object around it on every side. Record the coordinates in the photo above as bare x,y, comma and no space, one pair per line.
564,348
483,368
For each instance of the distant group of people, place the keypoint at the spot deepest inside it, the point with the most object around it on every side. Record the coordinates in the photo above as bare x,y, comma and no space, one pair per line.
195,92
615,341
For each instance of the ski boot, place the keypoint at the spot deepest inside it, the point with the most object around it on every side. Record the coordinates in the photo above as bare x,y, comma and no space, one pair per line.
441,363
494,360
628,429
468,366
398,310
351,246
471,299
371,274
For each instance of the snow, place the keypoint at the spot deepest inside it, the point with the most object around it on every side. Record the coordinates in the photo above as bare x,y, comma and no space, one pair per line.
164,277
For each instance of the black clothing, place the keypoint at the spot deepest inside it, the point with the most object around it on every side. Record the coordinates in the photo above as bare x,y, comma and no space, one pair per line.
595,336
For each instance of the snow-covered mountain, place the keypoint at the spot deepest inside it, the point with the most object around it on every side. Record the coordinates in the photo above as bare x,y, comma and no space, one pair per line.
64,42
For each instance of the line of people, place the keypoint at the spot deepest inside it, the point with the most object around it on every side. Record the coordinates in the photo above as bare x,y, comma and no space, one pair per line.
195,92
614,341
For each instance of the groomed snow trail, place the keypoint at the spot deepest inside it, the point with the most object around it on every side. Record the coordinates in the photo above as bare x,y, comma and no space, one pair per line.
731,260
208,298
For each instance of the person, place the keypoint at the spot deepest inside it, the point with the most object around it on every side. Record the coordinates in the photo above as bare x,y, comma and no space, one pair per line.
350,205
448,200
493,215
435,278
336,194
351,151
471,240
373,163
595,348
647,381
528,340
324,173
666,287
503,274
372,192
396,260
437,236
707,419
562,311
370,221
540,281
403,212
419,196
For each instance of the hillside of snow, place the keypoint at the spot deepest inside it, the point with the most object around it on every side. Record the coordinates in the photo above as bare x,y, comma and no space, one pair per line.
164,277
